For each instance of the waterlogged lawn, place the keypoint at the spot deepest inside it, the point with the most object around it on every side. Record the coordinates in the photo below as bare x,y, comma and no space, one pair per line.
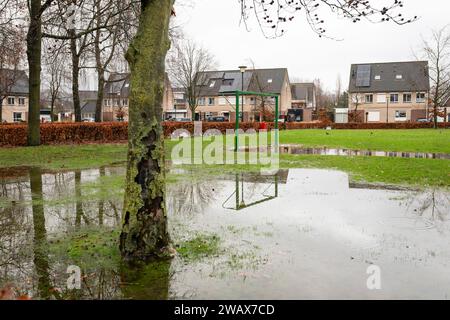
421,140
416,172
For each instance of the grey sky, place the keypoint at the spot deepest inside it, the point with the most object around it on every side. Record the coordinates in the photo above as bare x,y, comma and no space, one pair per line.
215,24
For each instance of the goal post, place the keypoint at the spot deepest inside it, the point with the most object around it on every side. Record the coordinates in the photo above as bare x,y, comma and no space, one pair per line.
238,95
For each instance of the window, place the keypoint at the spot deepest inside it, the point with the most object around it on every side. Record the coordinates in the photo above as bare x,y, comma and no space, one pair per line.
211,101
125,102
178,96
201,101
269,80
377,77
21,101
373,116
399,77
116,102
420,97
17,117
381,98
394,98
407,98
212,83
400,115
227,82
106,102
223,101
11,101
369,98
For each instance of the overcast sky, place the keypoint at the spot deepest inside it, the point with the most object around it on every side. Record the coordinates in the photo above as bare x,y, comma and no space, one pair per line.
215,25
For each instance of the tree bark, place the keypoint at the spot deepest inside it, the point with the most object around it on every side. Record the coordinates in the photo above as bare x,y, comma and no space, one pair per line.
75,76
34,49
1,110
144,232
100,96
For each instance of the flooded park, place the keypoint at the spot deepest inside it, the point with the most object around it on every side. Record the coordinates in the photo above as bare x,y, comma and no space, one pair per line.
299,234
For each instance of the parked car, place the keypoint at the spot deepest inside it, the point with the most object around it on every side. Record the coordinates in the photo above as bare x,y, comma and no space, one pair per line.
216,119
183,120
422,120
88,120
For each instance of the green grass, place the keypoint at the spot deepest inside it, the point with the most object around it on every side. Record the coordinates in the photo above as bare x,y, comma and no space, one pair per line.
64,157
421,140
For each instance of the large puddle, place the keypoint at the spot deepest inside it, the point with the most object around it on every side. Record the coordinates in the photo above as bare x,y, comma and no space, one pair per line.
300,150
303,234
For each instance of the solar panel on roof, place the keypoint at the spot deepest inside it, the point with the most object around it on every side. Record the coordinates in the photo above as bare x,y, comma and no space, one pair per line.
363,76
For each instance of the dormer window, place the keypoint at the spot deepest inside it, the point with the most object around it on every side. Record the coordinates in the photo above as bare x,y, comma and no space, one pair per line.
399,77
227,82
212,83
377,77
269,80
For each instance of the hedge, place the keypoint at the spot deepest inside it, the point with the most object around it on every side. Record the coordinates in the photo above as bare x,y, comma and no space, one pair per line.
114,132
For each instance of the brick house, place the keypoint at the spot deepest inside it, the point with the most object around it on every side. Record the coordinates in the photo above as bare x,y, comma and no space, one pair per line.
14,94
217,93
117,93
389,92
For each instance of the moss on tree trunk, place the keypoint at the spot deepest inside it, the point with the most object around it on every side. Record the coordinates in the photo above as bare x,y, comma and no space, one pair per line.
34,38
144,232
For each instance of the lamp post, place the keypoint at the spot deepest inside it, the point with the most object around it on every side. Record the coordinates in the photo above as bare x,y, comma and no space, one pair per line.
388,97
242,69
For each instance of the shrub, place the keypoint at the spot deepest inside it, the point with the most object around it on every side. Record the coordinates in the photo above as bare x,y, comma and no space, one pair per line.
113,132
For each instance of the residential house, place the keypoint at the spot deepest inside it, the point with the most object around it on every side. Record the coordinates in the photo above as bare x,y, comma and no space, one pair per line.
303,95
303,98
389,92
88,101
180,105
117,94
218,87
14,95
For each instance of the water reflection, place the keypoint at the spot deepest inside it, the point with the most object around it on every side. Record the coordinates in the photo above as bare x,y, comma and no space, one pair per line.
432,207
189,198
253,189
301,221
300,150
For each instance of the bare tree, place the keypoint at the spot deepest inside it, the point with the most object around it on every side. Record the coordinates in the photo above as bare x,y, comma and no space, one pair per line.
437,51
187,65
56,75
110,43
272,16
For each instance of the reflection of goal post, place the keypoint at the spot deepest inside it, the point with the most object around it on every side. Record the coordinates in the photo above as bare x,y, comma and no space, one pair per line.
238,94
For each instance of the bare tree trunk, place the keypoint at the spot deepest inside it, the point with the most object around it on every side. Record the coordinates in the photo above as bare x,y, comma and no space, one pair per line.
75,76
34,49
1,110
144,233
100,95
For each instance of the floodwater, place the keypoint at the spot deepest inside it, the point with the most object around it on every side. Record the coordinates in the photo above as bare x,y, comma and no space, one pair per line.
300,150
302,234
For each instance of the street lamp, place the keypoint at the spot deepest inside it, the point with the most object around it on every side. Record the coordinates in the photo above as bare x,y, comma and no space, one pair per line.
242,69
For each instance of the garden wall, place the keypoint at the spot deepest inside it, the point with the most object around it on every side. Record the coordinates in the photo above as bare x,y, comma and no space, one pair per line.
114,132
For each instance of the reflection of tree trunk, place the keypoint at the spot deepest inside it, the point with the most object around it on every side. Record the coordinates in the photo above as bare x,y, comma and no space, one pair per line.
79,203
41,263
144,232
146,282
101,203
